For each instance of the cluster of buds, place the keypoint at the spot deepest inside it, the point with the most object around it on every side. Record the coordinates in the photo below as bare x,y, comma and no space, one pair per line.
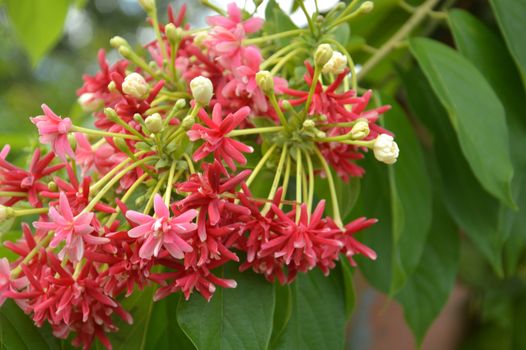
161,191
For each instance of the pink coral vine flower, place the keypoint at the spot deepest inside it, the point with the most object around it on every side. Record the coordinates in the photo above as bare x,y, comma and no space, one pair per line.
162,230
73,230
215,136
235,19
53,130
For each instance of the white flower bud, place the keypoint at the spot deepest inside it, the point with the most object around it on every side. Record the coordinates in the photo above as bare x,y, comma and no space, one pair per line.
135,85
154,123
309,124
89,102
188,122
118,41
322,55
202,90
367,6
6,213
385,149
265,81
337,63
360,130
199,39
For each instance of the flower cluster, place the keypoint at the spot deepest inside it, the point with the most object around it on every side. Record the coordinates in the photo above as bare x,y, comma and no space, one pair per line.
169,186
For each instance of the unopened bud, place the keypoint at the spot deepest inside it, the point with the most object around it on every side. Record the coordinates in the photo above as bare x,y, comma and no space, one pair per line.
52,186
6,213
171,32
135,85
202,90
265,81
89,102
367,6
188,122
118,41
336,65
286,105
385,149
360,130
147,5
199,39
125,52
180,104
112,87
154,123
322,55
309,124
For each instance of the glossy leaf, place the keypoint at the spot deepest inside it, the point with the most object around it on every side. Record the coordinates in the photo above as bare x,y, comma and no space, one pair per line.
511,16
238,318
474,111
17,331
472,208
38,24
427,290
410,192
488,53
318,313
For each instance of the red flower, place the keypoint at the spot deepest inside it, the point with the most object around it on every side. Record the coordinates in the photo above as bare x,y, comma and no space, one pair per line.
216,139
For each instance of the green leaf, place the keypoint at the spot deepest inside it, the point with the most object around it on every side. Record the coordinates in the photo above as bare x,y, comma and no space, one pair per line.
17,331
410,194
472,208
347,193
318,313
511,16
38,23
276,20
238,318
488,53
348,284
427,290
282,311
474,111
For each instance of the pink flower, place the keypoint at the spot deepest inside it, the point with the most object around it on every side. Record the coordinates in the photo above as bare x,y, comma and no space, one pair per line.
103,158
73,230
54,131
162,230
234,20
216,139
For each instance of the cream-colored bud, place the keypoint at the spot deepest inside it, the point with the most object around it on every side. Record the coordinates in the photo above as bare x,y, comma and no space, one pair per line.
265,81
135,85
6,213
171,32
202,90
385,149
322,55
360,130
89,102
337,63
118,41
188,122
52,186
147,5
309,124
180,103
367,6
199,39
154,123
112,87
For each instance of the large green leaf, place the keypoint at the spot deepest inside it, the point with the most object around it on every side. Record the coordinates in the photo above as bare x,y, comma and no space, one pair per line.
511,16
474,111
427,290
17,331
473,209
488,53
238,318
38,24
410,193
318,314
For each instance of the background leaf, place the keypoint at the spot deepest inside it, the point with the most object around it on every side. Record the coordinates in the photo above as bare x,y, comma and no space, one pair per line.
38,24
474,111
318,313
238,318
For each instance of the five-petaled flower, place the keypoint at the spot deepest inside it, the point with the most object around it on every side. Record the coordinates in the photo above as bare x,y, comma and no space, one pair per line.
53,130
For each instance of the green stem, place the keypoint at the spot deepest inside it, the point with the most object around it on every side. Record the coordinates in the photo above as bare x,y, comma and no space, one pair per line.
101,133
286,179
12,194
189,162
332,188
279,112
252,131
213,7
125,198
350,61
277,177
112,182
315,78
155,191
25,212
78,268
260,164
263,39
309,19
43,242
160,41
299,169
168,192
285,59
277,55
310,169
419,14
